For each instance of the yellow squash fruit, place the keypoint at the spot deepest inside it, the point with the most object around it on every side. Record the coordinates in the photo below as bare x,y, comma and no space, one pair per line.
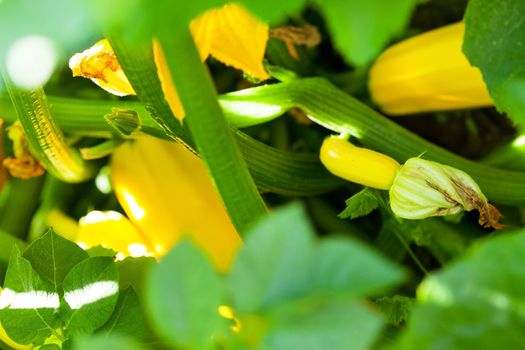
229,33
428,72
111,229
356,164
167,193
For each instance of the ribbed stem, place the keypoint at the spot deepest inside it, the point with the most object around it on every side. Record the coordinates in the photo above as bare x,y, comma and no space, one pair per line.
211,132
45,139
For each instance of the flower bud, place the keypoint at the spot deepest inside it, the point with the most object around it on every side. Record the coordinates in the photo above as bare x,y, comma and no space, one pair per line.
423,188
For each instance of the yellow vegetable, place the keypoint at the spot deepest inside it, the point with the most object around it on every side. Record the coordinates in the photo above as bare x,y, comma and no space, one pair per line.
8,341
428,72
229,33
112,230
167,193
356,164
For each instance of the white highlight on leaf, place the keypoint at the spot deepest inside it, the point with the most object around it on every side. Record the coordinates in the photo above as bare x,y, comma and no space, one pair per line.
36,299
90,294
30,61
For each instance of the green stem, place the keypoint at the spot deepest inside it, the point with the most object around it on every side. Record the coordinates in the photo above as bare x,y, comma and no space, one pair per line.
210,131
330,107
7,242
510,156
19,201
274,170
45,139
101,150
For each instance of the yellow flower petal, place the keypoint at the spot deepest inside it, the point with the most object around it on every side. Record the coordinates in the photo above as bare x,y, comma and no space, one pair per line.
100,64
238,39
167,193
200,28
169,90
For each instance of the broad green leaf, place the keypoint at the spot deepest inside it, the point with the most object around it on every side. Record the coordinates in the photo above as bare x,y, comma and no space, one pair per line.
50,347
90,294
52,256
66,23
133,271
102,342
395,309
274,11
101,251
349,267
328,324
361,28
475,303
362,203
28,307
7,241
127,318
271,266
183,293
495,43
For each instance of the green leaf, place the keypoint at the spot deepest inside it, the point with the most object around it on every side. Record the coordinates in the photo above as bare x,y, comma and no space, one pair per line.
270,267
362,28
127,318
395,309
362,203
475,303
274,11
90,294
328,324
101,251
52,256
7,242
349,267
133,271
102,342
495,43
183,293
28,308
49,347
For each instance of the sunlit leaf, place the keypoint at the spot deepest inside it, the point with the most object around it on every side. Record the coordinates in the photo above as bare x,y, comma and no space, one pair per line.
475,303
28,306
52,257
270,267
103,342
494,42
127,318
183,295
361,28
90,294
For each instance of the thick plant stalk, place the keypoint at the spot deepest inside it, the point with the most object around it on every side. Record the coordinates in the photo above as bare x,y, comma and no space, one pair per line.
45,139
210,131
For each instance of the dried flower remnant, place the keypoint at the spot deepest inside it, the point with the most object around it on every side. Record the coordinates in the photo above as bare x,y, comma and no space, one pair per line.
307,35
23,165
